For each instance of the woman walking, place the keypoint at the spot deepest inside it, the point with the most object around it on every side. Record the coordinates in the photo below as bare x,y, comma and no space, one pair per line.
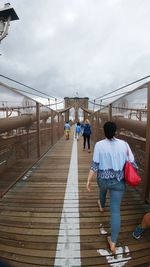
86,130
110,155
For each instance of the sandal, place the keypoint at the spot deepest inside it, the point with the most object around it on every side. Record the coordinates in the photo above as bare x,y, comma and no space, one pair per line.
111,245
99,205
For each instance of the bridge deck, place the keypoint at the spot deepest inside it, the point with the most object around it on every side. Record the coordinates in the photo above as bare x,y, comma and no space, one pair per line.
31,215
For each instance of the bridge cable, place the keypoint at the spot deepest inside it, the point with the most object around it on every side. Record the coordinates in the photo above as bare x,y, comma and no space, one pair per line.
26,87
123,87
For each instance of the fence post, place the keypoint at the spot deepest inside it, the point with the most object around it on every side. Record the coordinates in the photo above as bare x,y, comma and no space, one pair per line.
110,112
28,153
146,181
58,126
38,130
52,127
97,134
61,125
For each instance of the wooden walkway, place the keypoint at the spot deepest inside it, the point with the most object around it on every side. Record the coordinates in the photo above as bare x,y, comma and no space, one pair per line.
31,214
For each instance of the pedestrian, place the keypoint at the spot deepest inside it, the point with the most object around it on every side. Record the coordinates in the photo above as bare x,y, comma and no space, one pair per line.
110,155
86,132
67,129
140,228
77,130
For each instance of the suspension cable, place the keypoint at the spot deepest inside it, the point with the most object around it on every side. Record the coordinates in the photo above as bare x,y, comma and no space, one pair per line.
123,87
3,76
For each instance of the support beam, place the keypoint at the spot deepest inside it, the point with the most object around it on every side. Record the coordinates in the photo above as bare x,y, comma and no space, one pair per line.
38,130
146,181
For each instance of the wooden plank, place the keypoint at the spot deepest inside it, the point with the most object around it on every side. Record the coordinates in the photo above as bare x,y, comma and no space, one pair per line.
132,211
30,213
30,217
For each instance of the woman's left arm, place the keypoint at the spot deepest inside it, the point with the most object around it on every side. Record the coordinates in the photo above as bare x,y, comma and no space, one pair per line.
93,169
131,157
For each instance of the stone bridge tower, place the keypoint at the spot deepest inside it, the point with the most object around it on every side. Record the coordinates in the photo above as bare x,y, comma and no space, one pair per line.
76,103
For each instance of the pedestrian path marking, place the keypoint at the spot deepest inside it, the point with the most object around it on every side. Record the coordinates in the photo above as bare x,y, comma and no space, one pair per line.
120,259
68,245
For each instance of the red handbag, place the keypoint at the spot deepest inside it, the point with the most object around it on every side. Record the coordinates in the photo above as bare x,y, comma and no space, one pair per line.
131,176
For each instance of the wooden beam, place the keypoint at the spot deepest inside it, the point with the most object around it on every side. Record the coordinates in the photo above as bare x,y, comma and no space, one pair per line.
146,182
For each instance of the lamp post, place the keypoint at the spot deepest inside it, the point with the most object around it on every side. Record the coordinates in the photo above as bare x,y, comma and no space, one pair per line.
7,13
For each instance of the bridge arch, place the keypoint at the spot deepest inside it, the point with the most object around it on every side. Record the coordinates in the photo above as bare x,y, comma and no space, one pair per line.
77,103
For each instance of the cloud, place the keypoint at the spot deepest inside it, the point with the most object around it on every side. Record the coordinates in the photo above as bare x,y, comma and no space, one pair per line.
65,46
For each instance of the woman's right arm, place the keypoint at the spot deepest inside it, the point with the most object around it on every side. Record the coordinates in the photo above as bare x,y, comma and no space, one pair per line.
93,169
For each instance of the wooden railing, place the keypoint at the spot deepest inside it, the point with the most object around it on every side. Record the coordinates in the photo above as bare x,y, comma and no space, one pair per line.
29,142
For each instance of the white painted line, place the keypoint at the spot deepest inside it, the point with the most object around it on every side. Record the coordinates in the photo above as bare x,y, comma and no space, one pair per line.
68,245
28,174
118,260
102,230
2,162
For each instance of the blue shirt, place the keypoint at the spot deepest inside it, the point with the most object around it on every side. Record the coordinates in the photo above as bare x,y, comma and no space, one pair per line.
67,126
78,129
86,129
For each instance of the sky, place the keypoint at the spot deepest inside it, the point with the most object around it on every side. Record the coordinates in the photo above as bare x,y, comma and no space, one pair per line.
82,48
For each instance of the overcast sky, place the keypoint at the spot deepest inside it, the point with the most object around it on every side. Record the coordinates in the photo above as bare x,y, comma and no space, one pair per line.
62,47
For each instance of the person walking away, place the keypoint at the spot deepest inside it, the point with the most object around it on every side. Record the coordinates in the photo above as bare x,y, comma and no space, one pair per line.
110,155
86,128
67,130
77,130
140,228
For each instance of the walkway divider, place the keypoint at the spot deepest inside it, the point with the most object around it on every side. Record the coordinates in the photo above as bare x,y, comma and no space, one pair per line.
68,245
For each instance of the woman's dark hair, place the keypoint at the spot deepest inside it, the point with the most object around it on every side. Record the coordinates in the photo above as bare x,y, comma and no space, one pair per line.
110,129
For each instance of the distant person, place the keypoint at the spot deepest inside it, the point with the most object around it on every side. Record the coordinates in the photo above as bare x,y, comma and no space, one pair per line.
110,155
86,132
77,130
67,130
145,223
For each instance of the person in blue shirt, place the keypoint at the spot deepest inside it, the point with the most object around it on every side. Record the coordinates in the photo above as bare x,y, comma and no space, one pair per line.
77,130
86,132
110,155
67,130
